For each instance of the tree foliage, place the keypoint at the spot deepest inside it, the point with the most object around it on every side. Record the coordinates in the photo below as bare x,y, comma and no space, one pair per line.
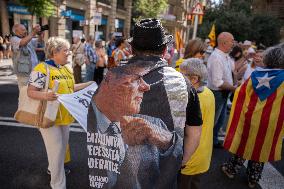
238,18
40,8
149,8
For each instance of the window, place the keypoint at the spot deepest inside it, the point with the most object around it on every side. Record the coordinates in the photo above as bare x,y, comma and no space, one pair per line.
120,4
107,2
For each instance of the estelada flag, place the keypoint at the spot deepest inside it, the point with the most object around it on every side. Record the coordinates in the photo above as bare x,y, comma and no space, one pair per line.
255,128
179,42
212,36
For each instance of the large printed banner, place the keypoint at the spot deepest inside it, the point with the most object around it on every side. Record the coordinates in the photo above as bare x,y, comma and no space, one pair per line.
77,103
134,125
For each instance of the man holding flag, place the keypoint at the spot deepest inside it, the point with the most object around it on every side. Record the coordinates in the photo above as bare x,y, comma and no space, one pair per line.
255,128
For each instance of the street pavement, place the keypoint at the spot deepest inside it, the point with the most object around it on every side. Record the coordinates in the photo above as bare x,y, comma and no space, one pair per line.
23,161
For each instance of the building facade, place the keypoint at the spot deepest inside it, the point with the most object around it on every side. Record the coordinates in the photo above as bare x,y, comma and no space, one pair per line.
178,18
73,17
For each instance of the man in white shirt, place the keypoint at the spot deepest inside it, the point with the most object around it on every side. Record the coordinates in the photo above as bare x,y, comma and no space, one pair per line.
220,80
24,55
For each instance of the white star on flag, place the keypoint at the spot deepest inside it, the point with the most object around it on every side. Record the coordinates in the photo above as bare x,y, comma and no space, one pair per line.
264,81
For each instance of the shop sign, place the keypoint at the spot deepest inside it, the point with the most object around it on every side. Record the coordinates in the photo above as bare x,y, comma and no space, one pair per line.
72,15
18,9
97,19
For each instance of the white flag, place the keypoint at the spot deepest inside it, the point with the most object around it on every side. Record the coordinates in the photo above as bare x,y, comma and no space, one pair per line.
77,103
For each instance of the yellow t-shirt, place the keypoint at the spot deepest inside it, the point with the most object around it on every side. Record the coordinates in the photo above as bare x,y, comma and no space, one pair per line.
66,86
178,62
200,160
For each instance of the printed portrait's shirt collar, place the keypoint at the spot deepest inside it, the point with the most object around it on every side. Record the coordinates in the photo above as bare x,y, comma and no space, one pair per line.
102,121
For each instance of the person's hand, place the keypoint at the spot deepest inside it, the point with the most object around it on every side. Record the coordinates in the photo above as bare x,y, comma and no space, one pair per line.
50,96
86,60
138,131
36,29
161,139
134,130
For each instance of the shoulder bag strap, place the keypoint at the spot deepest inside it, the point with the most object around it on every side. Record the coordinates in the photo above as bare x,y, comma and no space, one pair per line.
77,49
43,103
47,77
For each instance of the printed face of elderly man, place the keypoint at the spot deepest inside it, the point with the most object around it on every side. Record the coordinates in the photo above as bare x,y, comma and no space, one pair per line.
121,92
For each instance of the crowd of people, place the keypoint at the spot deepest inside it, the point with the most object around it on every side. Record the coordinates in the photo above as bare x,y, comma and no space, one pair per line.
165,118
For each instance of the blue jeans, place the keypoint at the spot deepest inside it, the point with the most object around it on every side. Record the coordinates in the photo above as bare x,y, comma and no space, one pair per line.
221,98
90,70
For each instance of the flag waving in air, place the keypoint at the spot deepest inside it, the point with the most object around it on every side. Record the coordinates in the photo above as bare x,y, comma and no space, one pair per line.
212,36
255,128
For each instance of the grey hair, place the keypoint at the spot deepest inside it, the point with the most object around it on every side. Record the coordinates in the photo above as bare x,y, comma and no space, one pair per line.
274,57
194,67
55,44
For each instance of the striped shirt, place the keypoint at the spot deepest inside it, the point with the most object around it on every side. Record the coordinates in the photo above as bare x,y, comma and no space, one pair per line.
91,53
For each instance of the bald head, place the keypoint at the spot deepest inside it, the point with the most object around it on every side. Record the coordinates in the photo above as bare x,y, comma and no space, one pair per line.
225,41
20,30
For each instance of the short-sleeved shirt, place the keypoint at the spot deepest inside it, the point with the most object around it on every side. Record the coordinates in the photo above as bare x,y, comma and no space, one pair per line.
66,86
178,63
91,53
200,160
15,41
220,69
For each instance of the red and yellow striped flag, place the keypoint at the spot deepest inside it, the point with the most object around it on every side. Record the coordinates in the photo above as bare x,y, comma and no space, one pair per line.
179,42
255,127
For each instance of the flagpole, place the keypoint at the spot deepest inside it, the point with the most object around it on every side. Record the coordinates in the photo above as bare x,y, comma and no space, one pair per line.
195,26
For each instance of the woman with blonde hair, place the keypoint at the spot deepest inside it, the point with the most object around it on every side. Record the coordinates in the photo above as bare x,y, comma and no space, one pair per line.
194,49
56,137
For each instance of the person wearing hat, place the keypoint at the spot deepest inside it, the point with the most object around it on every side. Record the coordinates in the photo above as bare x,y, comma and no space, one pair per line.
170,98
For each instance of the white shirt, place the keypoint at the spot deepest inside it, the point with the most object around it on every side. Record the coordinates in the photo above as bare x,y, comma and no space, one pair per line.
220,67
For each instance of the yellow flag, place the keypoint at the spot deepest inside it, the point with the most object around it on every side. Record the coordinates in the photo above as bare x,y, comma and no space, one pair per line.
192,19
212,36
200,19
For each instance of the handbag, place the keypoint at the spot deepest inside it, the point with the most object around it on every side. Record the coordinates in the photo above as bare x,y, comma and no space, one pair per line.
39,113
